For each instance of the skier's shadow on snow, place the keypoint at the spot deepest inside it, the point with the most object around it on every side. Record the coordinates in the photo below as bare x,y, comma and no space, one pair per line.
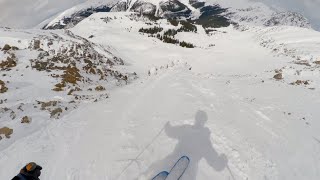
194,142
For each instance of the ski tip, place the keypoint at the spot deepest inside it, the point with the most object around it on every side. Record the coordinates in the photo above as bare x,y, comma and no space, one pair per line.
185,157
161,176
164,172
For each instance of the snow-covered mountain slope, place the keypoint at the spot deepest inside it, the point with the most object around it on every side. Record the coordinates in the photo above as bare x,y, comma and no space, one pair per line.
74,15
308,8
262,15
256,90
45,75
29,13
204,12
66,14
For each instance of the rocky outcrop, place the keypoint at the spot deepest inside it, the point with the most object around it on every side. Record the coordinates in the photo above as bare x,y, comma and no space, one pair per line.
74,61
120,6
288,19
196,4
6,132
3,87
100,88
6,47
9,62
145,8
26,120
55,113
75,18
173,8
278,76
213,17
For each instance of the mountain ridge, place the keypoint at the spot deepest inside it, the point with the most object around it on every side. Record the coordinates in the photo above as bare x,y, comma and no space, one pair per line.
258,14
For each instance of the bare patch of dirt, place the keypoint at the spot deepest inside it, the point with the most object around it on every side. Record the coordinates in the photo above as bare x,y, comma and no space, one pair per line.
278,76
100,88
3,87
6,132
303,62
26,119
300,82
9,63
54,108
56,113
46,105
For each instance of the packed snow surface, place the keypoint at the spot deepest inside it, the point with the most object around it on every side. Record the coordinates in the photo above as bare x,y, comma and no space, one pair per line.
217,103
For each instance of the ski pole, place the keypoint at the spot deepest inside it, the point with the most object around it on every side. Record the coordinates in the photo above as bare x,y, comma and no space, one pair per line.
146,147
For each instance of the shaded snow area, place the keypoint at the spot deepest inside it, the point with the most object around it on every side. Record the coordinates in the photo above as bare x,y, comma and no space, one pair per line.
29,13
121,96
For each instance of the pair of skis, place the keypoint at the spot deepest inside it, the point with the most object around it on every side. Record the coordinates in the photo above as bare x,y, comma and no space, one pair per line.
176,172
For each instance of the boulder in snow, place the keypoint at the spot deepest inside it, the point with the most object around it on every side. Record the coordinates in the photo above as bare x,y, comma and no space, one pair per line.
278,76
26,119
56,113
100,88
6,47
6,132
3,87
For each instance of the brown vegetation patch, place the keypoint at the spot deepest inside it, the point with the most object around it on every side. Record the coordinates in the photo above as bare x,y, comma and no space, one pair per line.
73,90
71,75
73,61
278,76
300,82
100,88
303,62
89,68
45,105
59,87
26,119
53,107
5,131
56,113
3,87
50,63
9,63
36,44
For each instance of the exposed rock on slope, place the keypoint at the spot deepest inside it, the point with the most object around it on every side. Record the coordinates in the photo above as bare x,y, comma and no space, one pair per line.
3,87
203,13
261,15
74,19
144,8
48,65
174,8
6,132
162,9
288,19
